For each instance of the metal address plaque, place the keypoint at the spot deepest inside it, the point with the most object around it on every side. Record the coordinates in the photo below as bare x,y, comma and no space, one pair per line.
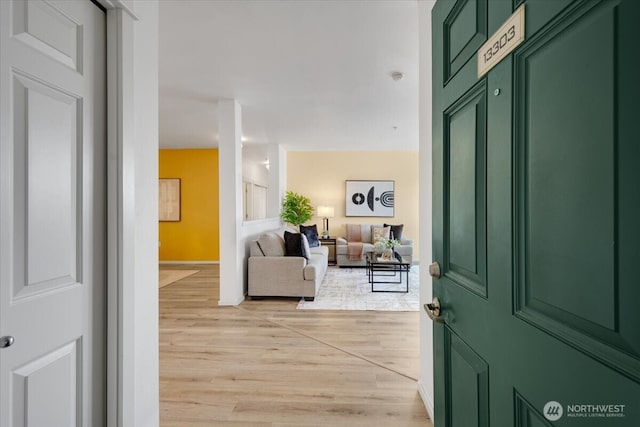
503,41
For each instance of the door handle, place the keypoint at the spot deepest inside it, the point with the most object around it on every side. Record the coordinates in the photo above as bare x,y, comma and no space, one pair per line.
6,341
433,310
434,270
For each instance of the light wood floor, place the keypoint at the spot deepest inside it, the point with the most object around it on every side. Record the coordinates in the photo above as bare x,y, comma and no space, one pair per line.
265,363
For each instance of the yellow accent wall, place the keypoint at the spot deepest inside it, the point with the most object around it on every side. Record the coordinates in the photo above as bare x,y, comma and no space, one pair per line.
196,237
321,176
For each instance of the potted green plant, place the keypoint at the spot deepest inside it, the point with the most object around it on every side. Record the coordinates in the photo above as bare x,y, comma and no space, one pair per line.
296,208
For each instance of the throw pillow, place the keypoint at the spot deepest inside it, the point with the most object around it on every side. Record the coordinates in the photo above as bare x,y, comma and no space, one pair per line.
377,232
292,244
396,231
306,251
311,231
271,244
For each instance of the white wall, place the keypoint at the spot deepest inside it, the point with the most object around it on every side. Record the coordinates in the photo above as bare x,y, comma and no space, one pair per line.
425,383
253,170
145,54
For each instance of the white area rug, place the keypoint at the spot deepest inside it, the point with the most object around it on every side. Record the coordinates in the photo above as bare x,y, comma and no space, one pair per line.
349,289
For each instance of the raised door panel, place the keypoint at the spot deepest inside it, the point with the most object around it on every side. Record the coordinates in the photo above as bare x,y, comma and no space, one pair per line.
528,416
467,384
47,152
44,27
570,281
44,405
465,191
464,31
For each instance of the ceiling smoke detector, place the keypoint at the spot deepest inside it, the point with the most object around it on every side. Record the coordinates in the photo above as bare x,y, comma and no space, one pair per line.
397,75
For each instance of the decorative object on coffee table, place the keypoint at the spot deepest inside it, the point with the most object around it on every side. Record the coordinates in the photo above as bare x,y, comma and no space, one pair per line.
385,246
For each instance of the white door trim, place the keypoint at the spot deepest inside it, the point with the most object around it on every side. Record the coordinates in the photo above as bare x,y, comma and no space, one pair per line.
120,213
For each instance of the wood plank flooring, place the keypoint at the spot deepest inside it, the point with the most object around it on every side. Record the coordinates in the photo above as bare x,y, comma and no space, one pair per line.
265,363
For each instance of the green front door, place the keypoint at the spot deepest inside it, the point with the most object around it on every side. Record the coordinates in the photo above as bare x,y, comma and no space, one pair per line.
536,216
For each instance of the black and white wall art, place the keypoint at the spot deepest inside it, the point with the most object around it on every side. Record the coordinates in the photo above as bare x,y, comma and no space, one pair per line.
369,198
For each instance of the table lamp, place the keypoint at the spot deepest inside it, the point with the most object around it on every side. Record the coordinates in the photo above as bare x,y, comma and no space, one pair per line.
325,212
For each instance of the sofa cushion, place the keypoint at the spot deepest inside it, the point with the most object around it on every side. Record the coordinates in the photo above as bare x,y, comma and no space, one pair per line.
254,249
306,250
378,232
311,231
292,244
321,250
296,244
271,244
365,231
396,231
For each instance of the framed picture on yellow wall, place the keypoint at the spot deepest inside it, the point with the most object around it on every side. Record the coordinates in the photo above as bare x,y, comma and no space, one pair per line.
169,199
369,198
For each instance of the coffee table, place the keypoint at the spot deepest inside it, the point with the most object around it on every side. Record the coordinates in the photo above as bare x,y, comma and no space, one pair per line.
387,271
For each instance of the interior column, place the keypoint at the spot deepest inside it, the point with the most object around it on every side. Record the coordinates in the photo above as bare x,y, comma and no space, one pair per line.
230,183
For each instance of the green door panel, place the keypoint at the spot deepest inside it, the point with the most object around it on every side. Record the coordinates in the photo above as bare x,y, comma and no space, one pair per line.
464,191
536,215
569,201
528,416
627,179
469,384
464,31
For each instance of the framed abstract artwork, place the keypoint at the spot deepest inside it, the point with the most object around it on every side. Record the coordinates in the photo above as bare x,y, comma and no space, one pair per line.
169,199
369,198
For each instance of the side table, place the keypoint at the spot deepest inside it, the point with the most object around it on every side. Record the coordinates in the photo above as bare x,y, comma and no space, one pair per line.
330,241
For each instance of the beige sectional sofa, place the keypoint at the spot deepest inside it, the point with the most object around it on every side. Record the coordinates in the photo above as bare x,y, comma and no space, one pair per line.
405,248
272,273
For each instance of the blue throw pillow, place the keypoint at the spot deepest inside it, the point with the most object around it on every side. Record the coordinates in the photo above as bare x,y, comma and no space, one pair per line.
311,231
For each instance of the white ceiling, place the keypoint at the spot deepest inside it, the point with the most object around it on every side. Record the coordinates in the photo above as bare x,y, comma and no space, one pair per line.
310,75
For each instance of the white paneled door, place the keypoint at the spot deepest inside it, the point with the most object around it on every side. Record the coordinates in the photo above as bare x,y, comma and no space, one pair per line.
52,213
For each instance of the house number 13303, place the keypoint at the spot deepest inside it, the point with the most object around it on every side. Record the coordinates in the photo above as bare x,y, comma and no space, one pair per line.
502,42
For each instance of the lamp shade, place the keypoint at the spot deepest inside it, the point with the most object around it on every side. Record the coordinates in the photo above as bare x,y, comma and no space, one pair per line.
325,211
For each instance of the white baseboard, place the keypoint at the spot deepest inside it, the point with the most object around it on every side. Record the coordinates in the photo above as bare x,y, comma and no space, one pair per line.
426,399
189,262
230,302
